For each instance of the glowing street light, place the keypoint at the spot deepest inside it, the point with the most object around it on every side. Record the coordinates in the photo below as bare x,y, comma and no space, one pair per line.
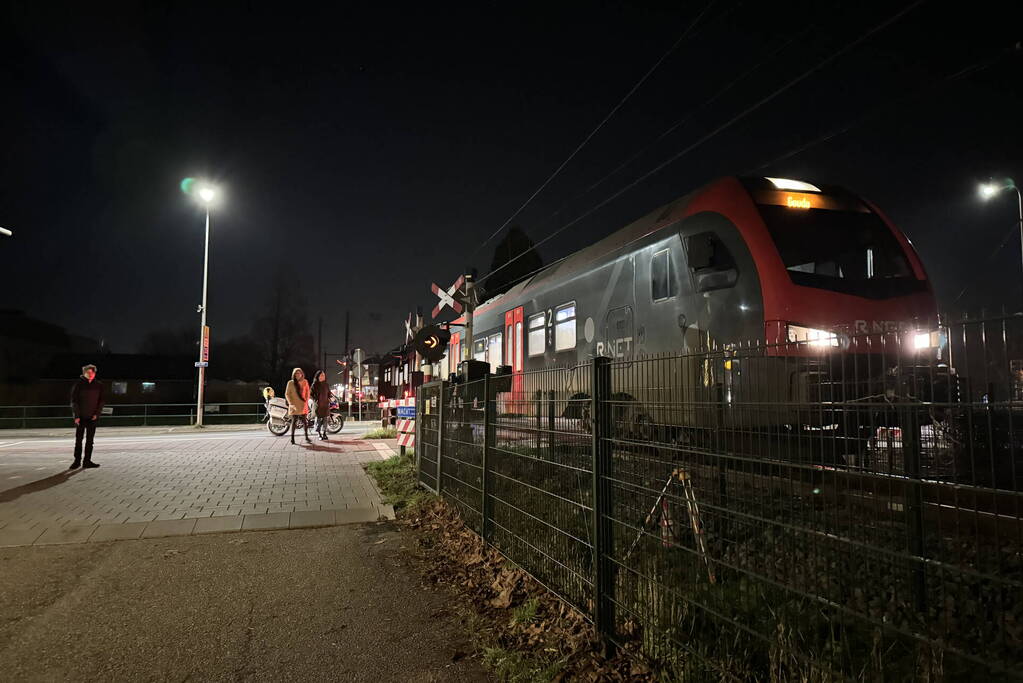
207,194
990,189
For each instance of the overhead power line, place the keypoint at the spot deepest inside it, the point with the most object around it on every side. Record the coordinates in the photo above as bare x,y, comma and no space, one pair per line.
610,114
679,123
727,124
876,111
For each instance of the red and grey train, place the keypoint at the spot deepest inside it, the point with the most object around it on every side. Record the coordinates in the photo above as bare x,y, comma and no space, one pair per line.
767,260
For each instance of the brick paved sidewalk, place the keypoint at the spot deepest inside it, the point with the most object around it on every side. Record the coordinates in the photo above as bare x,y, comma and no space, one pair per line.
164,485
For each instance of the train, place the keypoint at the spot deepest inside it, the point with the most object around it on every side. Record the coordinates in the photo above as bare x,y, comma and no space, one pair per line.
812,274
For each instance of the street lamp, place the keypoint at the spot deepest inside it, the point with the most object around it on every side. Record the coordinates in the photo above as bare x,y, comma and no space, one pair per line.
207,194
990,189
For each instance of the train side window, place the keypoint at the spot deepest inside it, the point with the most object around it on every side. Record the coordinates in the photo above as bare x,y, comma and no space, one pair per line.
662,280
564,327
479,349
710,262
537,336
494,351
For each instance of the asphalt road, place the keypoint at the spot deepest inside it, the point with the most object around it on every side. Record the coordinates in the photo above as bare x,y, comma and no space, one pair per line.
336,603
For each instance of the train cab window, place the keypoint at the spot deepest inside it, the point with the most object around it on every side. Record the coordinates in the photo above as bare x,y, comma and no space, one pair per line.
494,351
564,327
479,349
662,276
853,252
710,262
537,336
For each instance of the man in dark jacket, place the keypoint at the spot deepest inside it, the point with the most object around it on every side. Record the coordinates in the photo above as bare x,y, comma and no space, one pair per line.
86,405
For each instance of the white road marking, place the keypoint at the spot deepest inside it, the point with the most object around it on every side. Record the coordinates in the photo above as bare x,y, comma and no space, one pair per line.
11,443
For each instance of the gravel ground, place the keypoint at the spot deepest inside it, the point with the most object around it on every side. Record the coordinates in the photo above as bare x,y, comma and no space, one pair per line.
338,603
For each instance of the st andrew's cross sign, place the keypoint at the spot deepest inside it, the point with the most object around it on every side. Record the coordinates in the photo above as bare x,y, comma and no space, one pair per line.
448,297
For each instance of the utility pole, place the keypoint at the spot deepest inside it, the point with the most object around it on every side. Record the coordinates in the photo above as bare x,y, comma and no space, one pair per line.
347,320
470,307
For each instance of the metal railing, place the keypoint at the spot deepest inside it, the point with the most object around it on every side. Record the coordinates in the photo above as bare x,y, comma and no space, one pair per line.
763,512
133,414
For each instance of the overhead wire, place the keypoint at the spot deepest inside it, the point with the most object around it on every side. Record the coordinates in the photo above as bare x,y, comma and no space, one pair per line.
724,126
677,124
692,25
891,104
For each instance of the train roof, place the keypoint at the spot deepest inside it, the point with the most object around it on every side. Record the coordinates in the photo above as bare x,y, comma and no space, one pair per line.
583,260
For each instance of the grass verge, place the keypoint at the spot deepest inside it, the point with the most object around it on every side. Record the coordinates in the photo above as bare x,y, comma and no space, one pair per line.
396,478
381,433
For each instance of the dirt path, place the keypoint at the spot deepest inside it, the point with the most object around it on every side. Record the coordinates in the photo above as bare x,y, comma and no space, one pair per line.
315,604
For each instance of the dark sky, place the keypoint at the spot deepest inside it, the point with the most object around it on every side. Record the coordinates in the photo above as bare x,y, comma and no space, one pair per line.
367,152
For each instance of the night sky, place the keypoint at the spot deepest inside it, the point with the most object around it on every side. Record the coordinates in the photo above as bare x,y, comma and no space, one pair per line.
367,152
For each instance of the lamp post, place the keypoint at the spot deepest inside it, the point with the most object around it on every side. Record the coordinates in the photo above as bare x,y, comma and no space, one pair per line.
990,189
207,195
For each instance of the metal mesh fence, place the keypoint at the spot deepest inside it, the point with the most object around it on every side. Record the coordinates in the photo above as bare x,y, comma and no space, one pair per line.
833,509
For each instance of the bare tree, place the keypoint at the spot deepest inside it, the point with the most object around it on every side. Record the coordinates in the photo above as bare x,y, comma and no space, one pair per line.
283,333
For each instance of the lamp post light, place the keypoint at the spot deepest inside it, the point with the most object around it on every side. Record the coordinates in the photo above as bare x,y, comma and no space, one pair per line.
207,195
991,189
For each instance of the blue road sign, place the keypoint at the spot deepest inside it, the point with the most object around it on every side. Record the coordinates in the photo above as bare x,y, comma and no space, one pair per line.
407,412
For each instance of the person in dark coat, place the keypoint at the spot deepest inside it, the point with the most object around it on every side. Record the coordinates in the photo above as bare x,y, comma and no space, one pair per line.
320,394
86,406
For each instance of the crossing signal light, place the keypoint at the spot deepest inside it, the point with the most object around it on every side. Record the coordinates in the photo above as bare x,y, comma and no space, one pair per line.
430,342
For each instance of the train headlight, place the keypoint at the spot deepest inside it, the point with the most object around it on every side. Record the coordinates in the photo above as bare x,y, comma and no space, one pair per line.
926,340
811,336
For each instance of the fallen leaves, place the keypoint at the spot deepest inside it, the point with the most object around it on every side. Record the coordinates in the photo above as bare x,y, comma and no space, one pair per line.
457,558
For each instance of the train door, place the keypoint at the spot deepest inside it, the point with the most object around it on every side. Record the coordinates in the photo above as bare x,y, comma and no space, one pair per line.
454,353
514,353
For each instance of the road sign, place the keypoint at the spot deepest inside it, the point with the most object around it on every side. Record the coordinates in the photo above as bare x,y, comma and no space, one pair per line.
447,297
430,342
202,364
407,412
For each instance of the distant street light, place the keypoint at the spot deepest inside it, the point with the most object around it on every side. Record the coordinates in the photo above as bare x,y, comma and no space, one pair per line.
990,189
6,232
207,194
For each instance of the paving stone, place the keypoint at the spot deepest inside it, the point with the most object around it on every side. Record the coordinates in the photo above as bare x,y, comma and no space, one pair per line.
212,525
19,535
355,514
307,518
118,532
386,511
276,520
169,527
66,534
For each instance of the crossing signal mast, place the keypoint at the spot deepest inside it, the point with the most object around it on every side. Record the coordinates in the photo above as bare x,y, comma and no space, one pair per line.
461,297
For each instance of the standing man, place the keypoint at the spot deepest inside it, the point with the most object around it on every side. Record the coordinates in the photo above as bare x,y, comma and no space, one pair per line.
86,405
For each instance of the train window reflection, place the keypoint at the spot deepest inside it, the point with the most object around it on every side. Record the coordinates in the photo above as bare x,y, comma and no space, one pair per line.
564,327
662,281
846,251
537,336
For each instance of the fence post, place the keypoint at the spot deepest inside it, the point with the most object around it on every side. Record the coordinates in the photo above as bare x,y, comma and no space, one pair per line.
440,437
145,414
603,584
551,408
488,444
914,502
24,416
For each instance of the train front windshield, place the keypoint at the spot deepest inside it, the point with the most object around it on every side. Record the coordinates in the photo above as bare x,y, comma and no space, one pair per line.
852,252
